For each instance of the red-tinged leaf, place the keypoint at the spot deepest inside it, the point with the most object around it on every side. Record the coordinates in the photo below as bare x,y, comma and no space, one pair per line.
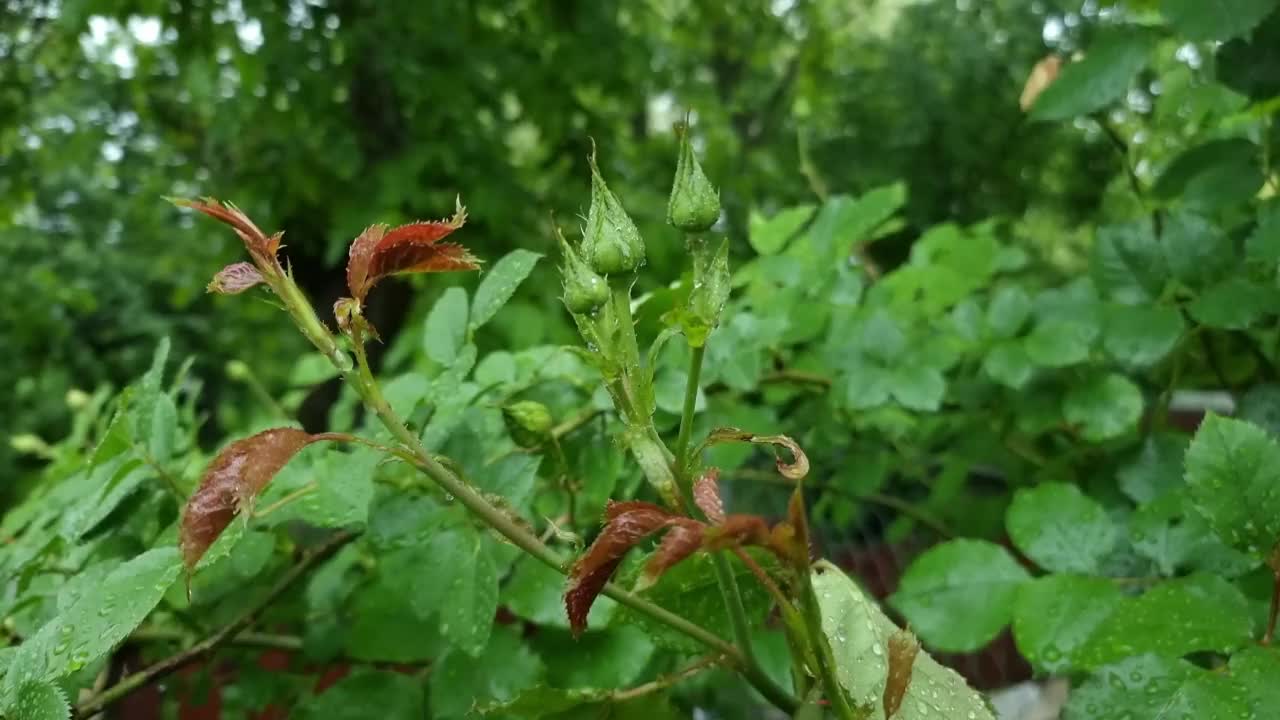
627,524
235,278
380,252
683,539
737,531
706,495
358,257
903,648
231,482
257,242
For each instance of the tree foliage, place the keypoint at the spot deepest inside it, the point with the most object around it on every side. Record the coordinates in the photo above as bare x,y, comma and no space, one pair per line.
1039,342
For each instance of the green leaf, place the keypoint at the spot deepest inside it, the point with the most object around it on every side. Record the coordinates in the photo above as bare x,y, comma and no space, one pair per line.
40,700
613,657
1141,335
446,328
691,591
1177,539
1059,343
98,621
1008,312
1148,686
1128,263
587,703
382,623
1215,19
1263,244
1249,65
1104,407
1101,78
1260,405
535,592
1060,528
1233,472
1234,304
396,697
1256,668
1055,615
460,579
1197,250
499,284
1156,469
770,236
1008,364
461,682
343,489
971,579
859,633
917,387
1216,174
1200,612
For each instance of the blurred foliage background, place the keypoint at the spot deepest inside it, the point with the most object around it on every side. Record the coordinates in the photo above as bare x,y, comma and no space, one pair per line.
319,117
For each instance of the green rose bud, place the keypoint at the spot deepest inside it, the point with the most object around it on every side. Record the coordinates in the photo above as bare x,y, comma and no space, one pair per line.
584,290
77,398
611,241
528,421
694,205
29,444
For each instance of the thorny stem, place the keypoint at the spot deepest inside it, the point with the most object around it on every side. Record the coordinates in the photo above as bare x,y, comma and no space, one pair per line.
665,681
229,631
724,573
360,377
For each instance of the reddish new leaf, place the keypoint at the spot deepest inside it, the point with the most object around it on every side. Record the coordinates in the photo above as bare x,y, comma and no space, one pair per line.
256,241
235,278
358,257
231,482
627,524
706,495
379,252
737,531
903,648
683,539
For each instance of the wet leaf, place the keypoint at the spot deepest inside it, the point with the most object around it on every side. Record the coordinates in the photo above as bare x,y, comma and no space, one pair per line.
903,648
682,540
862,642
627,523
230,484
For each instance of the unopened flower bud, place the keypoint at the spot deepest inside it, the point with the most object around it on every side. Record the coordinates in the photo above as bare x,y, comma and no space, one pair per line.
238,370
584,290
528,421
612,241
694,205
77,398
29,444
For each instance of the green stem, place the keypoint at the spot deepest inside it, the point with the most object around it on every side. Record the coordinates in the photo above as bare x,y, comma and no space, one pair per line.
826,659
361,379
690,405
733,604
